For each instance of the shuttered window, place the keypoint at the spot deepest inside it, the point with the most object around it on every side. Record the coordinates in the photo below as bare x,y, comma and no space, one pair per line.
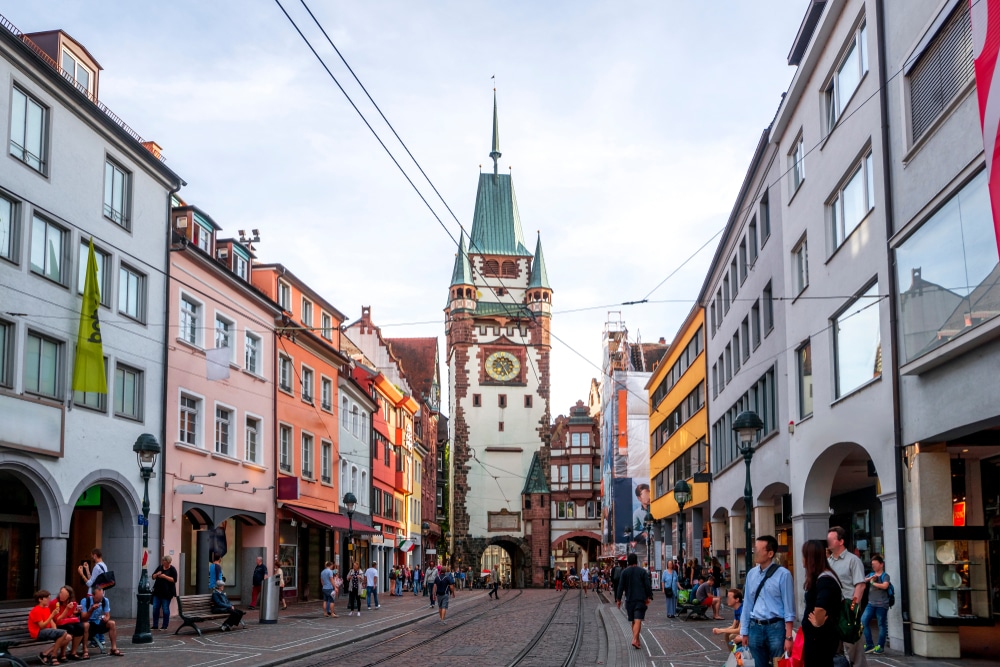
942,70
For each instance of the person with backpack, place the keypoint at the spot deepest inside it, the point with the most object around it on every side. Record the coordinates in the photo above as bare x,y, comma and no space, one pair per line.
768,605
822,607
393,577
879,602
853,585
445,588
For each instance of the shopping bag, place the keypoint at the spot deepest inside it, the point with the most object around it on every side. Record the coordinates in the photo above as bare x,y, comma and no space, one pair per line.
364,593
799,649
740,657
783,661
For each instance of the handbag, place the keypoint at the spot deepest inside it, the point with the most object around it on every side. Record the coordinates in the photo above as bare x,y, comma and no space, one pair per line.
668,592
799,650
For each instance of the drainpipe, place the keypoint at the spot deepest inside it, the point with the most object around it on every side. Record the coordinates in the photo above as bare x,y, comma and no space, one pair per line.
897,431
166,347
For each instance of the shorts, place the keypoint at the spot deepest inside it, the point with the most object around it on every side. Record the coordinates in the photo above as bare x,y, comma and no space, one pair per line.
74,629
50,634
708,601
328,595
636,610
443,600
99,629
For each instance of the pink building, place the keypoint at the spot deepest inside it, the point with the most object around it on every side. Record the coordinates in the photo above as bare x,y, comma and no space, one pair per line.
219,473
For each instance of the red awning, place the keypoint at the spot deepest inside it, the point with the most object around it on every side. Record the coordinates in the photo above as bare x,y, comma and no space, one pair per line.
378,422
329,520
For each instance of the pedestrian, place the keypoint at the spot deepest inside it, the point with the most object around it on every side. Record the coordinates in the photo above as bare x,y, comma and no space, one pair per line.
215,572
616,573
355,584
769,605
222,605
670,580
399,582
279,581
65,613
430,579
559,579
392,581
878,606
585,579
461,579
637,589
445,585
704,596
371,585
164,590
90,574
822,606
326,583
731,634
42,627
495,582
853,585
259,575
416,581
96,617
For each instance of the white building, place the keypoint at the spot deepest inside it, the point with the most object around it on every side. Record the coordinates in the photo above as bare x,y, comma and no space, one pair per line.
74,172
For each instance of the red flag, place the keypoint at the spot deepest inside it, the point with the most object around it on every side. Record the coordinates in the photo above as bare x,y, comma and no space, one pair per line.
985,16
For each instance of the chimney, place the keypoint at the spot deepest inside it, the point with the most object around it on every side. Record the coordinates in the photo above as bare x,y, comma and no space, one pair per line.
153,148
663,341
366,318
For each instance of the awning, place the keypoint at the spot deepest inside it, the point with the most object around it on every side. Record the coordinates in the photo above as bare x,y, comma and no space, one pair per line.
407,546
330,520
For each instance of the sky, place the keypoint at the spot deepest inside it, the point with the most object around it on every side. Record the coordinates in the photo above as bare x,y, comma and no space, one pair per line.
628,128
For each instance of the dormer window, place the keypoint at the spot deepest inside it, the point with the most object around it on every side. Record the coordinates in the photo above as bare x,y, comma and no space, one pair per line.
81,75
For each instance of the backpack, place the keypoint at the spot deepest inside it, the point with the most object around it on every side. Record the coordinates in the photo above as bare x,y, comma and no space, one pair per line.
849,627
443,583
891,592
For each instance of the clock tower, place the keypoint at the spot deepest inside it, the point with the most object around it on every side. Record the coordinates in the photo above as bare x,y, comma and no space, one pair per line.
497,324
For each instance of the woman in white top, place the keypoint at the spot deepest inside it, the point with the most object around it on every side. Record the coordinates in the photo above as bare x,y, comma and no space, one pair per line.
585,578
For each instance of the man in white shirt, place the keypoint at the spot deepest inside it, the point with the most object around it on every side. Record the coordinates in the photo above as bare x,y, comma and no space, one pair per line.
851,572
371,585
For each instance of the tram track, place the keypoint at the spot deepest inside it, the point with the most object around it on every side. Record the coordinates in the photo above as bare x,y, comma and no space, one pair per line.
524,656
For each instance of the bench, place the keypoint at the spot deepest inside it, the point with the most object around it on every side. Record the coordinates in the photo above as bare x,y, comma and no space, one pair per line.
14,632
197,609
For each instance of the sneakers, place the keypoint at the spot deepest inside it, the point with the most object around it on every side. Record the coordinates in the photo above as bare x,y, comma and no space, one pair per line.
378,606
877,650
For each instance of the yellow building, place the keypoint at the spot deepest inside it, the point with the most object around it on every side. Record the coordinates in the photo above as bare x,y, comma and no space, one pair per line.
678,439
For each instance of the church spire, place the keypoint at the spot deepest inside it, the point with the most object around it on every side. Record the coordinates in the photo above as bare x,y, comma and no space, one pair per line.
495,153
539,274
462,273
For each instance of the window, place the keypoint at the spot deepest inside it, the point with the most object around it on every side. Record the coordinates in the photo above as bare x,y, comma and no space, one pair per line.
285,448
725,294
804,362
800,266
28,130
941,71
722,372
440,462
131,293
284,373
736,352
847,77
241,267
327,322
439,501
344,413
500,426
755,323
326,463
252,349
253,433
528,400
223,426
307,313
768,309
6,343
103,261
715,380
491,267
202,235
711,310
326,393
852,202
745,337
355,421
189,413
224,329
743,260
734,279
43,366
797,164
80,74
729,362
93,399
752,241
129,385
116,194
308,386
284,296
190,320
477,400
502,400
857,342
307,455
947,271
765,219
762,398
9,229
47,243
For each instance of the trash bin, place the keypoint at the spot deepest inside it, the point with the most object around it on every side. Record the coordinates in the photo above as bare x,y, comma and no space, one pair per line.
270,600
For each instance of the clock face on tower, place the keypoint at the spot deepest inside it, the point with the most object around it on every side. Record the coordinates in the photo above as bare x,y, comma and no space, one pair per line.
503,366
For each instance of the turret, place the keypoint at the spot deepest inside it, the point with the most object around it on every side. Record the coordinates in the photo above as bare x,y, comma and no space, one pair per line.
539,292
463,291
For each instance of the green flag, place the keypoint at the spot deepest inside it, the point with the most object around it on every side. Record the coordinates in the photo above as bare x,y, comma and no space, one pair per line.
88,370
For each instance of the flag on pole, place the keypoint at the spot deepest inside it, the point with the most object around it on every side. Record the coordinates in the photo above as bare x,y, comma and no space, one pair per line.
985,16
88,369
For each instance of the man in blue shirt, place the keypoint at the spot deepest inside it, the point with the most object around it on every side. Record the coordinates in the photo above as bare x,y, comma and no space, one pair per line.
731,634
766,621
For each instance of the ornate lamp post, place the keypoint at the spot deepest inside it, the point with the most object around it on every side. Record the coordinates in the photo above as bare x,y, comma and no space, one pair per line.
146,450
747,425
648,525
682,496
425,530
350,502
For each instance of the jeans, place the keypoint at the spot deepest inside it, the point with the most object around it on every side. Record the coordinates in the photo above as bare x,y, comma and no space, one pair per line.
416,587
372,593
880,613
767,642
399,587
158,604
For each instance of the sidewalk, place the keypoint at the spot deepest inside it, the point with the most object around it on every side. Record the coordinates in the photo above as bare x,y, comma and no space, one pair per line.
301,630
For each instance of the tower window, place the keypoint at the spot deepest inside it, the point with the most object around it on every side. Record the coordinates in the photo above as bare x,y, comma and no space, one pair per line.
509,270
502,400
477,400
491,267
527,400
501,291
501,427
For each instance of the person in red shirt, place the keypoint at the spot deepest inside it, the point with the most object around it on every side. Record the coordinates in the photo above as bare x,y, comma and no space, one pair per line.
42,626
66,613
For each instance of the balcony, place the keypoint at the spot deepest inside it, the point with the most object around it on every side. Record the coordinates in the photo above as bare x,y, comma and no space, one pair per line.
403,483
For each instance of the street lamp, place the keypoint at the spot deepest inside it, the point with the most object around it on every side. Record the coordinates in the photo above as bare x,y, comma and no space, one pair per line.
449,550
648,524
425,530
682,496
146,449
350,502
747,425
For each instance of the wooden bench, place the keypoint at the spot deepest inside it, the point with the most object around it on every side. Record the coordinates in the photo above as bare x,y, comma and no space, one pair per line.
197,609
14,632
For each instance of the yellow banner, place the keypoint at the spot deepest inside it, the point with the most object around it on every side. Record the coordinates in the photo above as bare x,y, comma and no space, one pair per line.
88,369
